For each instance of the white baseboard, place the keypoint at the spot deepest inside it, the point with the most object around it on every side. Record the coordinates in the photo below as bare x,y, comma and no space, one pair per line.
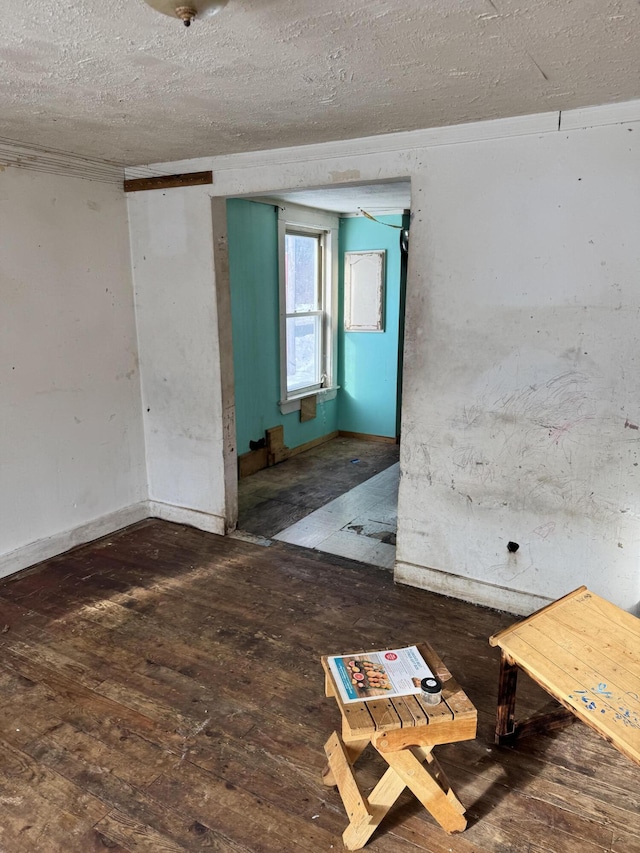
469,589
191,517
58,543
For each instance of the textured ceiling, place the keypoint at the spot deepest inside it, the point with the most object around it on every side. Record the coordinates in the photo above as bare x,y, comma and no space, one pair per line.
114,79
385,197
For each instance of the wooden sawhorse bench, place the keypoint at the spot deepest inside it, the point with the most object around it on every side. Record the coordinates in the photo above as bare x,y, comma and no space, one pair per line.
404,732
585,652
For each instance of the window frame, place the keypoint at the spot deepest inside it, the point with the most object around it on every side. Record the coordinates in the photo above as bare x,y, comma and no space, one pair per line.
320,312
295,219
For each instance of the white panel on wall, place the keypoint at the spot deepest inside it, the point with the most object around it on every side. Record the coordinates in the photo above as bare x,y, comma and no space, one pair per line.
364,291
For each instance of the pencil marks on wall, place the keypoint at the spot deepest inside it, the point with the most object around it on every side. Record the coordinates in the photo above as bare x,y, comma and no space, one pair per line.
529,439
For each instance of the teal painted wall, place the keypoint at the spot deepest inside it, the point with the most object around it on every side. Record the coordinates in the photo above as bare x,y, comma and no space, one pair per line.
253,271
368,361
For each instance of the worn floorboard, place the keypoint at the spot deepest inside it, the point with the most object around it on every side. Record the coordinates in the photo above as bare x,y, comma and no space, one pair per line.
161,690
274,498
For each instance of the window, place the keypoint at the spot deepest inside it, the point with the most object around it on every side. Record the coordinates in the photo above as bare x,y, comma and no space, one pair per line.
308,288
304,311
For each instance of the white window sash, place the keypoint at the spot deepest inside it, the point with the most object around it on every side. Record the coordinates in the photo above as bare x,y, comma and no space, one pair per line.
294,219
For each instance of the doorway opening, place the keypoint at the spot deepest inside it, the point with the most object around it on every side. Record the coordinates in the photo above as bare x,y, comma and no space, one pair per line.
317,281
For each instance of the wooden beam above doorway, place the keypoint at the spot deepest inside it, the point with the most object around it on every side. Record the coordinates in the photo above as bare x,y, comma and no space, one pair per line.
164,182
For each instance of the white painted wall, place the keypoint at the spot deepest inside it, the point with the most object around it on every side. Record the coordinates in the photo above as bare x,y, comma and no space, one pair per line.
522,368
71,441
522,311
179,356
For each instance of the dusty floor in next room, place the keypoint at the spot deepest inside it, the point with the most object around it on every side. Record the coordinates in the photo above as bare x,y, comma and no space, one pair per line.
339,498
361,524
161,690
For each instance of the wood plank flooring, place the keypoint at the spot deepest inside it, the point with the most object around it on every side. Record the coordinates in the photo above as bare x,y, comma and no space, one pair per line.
274,498
161,690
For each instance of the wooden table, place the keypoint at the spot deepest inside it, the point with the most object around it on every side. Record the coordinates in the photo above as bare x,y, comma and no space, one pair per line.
585,652
404,731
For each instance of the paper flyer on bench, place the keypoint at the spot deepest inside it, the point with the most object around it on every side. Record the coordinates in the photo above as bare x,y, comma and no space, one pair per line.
396,672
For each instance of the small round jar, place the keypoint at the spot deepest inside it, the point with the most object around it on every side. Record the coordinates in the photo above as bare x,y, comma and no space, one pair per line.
431,688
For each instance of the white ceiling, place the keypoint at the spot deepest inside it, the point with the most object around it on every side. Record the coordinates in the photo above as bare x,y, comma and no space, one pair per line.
378,199
114,79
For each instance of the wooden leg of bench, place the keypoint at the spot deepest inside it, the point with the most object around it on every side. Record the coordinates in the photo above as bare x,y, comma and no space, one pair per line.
383,796
355,803
505,719
433,766
445,809
353,750
507,730
544,723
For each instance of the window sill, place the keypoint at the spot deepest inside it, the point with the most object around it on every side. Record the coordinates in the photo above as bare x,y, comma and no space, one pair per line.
293,403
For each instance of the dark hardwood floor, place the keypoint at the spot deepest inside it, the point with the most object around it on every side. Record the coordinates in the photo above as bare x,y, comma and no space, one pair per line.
161,690
277,497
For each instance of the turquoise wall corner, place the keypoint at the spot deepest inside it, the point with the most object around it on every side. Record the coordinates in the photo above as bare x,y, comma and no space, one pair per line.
368,362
